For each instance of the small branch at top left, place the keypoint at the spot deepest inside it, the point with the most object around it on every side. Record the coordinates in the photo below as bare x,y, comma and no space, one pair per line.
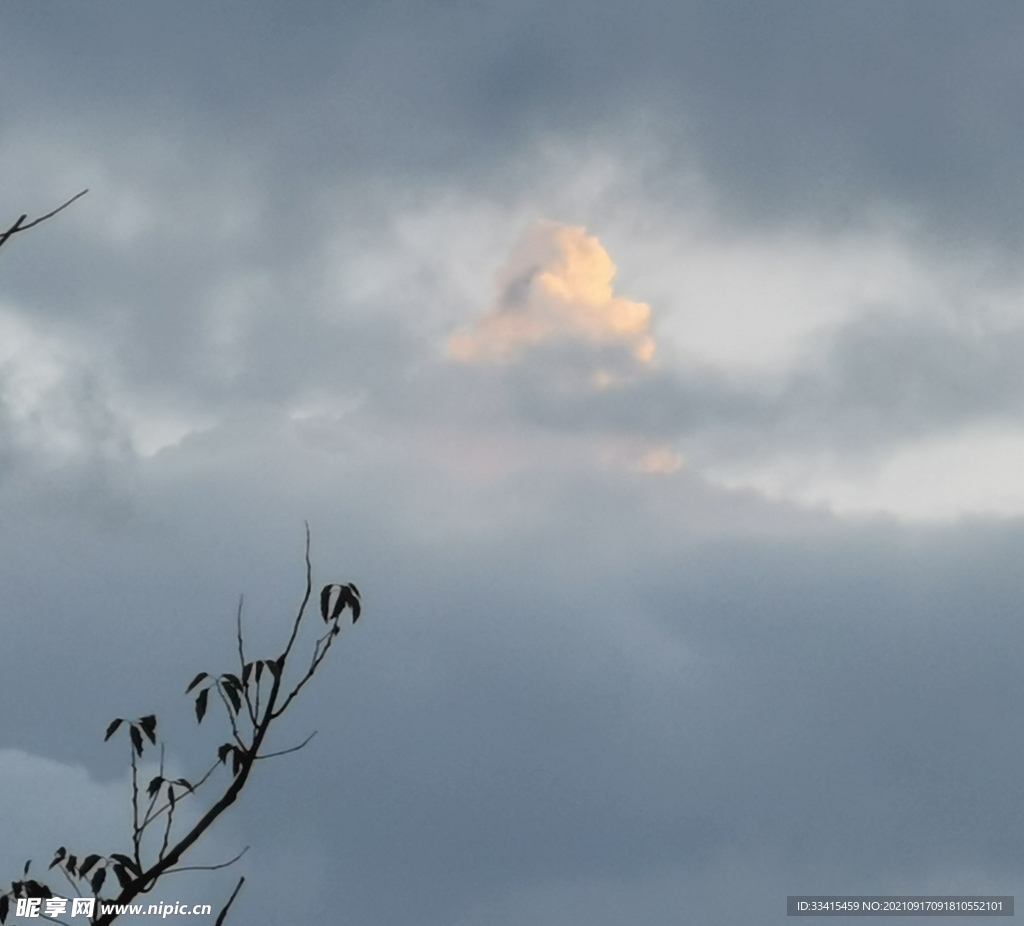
22,225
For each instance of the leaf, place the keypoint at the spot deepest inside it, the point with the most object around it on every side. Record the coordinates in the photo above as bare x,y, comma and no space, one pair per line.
171,799
355,591
196,681
344,598
27,865
201,700
57,857
154,786
87,864
259,670
224,751
128,863
97,880
136,738
70,866
123,878
232,693
348,596
325,600
275,667
246,672
112,729
5,905
233,680
185,783
148,724
236,762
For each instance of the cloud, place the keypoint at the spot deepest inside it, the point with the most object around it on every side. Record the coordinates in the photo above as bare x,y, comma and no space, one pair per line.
40,797
556,287
661,460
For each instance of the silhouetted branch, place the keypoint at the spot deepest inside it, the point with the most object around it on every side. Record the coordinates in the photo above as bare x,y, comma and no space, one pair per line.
249,727
172,871
223,913
284,752
21,225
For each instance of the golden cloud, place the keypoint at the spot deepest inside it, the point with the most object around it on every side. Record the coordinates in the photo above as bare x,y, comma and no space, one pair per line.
555,286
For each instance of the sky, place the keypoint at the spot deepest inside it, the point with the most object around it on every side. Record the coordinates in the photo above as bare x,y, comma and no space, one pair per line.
656,370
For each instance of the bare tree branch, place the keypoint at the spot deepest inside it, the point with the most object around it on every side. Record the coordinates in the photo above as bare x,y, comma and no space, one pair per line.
21,225
172,871
223,913
284,752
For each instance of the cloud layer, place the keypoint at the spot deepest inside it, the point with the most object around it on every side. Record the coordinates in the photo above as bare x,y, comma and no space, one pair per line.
644,627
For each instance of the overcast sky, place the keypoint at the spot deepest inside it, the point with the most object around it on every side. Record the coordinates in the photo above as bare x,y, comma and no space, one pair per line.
656,369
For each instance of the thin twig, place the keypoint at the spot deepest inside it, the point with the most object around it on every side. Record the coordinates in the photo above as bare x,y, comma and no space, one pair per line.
136,832
171,871
170,822
284,752
302,607
318,657
20,225
195,787
241,661
149,815
231,900
231,717
50,215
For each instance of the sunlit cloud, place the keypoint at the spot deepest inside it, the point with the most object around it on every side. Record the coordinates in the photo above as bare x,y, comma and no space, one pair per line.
661,460
556,287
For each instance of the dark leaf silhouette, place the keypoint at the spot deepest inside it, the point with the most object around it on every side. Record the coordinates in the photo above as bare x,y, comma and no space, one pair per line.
128,863
123,878
148,724
87,864
246,672
98,879
112,729
232,693
259,669
136,738
335,598
57,857
28,864
201,700
344,598
224,751
154,786
5,905
71,862
196,681
184,782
